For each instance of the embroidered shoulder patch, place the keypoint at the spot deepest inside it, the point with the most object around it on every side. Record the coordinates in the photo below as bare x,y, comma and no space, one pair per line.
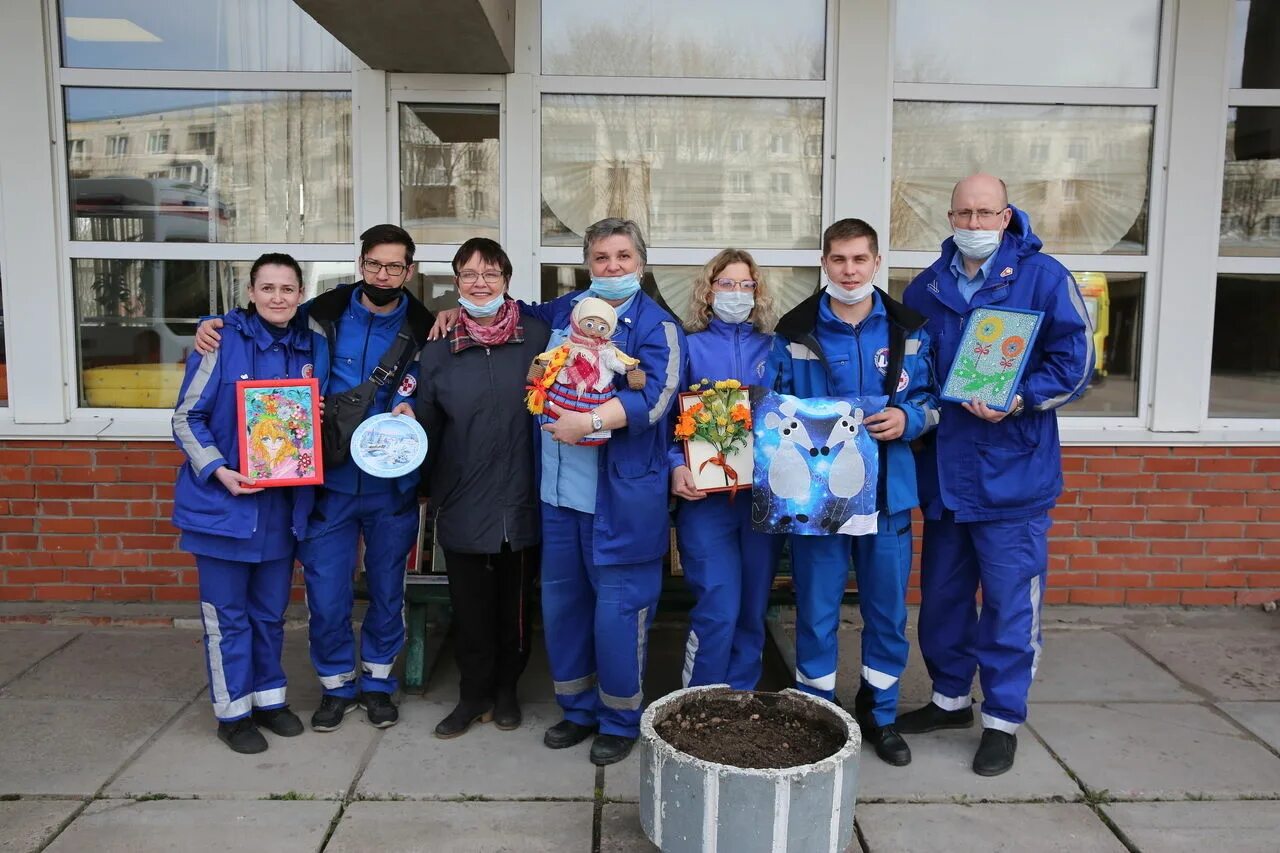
407,386
308,370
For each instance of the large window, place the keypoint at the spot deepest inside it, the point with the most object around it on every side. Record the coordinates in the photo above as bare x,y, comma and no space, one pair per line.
682,167
197,35
762,39
1076,151
212,141
449,159
1245,373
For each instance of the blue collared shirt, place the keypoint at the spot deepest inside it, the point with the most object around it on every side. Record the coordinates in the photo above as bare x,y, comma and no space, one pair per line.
969,286
570,471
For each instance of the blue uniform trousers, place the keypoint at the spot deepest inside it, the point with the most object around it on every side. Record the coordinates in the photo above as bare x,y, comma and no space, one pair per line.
1008,560
242,605
388,521
730,569
881,564
596,620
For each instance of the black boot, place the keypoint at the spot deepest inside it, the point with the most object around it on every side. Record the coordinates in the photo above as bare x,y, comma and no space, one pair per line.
242,736
931,718
462,716
566,733
610,749
280,721
995,753
506,711
890,746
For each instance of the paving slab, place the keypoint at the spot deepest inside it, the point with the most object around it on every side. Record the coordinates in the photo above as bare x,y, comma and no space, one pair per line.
1261,718
115,664
985,828
26,825
1099,666
1193,827
463,828
20,647
620,830
72,746
1227,664
941,770
622,780
188,760
1150,750
127,826
412,762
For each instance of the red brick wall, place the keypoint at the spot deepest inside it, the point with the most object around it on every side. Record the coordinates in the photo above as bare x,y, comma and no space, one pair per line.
89,521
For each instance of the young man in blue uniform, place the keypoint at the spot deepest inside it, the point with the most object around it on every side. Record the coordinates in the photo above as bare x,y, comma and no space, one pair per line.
353,326
851,340
989,478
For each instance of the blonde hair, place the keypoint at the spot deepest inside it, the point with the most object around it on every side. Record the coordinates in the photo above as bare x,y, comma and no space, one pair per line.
271,428
762,315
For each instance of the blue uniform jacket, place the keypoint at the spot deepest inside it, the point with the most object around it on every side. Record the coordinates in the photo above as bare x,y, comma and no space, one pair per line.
359,338
890,342
631,523
206,430
720,351
984,471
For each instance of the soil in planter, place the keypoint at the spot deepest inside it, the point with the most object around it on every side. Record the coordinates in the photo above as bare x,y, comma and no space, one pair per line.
750,730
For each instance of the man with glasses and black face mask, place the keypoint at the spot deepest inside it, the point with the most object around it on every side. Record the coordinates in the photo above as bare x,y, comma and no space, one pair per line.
366,337
989,478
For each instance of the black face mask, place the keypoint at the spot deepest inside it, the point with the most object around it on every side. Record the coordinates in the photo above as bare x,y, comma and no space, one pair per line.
382,296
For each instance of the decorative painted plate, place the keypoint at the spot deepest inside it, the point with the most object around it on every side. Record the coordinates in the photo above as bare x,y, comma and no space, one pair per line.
389,445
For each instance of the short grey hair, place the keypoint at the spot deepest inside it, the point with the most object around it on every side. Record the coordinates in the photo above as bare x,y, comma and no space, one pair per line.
609,227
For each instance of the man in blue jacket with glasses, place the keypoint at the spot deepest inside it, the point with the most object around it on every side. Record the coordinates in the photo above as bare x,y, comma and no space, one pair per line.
989,478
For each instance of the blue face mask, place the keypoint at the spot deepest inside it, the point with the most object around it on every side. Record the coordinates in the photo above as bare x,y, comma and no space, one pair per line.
616,287
487,310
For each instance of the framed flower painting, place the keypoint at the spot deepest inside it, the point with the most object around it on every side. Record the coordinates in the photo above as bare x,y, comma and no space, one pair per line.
992,356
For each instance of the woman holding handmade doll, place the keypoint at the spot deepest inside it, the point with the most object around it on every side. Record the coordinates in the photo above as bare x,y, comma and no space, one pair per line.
242,535
480,476
728,565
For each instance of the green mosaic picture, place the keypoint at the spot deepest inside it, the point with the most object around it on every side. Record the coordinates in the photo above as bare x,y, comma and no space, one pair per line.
992,355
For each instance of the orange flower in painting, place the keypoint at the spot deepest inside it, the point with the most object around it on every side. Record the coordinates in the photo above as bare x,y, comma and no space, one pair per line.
685,427
742,415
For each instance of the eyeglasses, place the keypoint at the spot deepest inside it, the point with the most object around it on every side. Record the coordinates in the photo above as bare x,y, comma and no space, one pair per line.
729,284
394,269
471,277
983,215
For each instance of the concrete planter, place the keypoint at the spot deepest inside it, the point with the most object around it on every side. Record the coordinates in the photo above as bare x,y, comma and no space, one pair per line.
687,804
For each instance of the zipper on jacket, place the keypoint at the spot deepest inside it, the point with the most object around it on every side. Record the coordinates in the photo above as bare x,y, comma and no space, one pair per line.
737,351
493,389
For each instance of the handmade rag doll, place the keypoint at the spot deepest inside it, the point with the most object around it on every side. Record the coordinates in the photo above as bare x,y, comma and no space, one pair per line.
577,376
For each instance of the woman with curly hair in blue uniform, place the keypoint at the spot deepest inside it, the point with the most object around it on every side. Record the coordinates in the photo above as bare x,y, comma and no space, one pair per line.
728,565
242,536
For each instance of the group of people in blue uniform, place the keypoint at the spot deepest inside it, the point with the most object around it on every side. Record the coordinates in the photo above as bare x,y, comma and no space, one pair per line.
984,479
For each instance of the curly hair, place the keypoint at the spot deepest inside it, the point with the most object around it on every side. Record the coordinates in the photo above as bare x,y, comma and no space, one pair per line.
271,428
762,316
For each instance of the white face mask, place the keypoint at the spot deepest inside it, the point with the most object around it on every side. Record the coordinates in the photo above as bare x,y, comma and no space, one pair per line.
733,306
844,295
977,245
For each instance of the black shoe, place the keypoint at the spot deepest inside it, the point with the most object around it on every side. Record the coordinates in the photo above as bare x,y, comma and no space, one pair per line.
566,733
506,712
995,753
379,709
610,749
931,718
333,709
281,721
889,745
461,718
242,736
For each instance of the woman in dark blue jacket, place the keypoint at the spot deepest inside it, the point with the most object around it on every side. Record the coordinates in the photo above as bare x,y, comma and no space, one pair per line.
243,537
728,565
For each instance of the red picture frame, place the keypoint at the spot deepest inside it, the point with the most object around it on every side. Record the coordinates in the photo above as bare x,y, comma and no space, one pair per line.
279,429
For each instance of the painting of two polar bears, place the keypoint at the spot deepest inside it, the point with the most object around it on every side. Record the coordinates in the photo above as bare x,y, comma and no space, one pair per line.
816,468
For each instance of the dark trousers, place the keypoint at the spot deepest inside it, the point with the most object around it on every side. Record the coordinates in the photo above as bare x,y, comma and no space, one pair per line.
490,595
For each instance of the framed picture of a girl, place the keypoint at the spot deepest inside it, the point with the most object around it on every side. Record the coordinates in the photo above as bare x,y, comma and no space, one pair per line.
280,431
